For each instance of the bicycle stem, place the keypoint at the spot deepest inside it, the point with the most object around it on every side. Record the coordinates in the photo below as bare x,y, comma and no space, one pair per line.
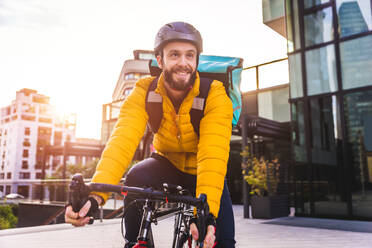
146,222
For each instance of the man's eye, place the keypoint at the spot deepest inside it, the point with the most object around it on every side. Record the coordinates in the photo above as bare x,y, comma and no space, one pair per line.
174,55
191,55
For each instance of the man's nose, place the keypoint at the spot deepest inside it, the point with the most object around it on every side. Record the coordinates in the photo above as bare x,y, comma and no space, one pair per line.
182,60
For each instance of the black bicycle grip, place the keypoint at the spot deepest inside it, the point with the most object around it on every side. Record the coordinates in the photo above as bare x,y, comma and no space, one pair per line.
78,193
202,212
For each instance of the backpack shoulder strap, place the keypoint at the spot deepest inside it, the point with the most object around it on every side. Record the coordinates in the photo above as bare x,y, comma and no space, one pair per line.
154,106
197,109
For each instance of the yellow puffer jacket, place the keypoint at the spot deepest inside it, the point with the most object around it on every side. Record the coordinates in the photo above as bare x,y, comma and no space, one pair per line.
176,140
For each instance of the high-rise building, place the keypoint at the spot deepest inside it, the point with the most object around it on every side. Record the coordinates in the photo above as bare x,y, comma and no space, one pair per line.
330,61
26,126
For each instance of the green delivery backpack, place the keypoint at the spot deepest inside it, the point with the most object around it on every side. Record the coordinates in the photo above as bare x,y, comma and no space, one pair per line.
228,70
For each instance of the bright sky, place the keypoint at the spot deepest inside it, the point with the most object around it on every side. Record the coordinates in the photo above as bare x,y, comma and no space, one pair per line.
73,51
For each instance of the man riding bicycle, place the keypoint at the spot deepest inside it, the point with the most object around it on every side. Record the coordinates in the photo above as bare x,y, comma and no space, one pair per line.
195,161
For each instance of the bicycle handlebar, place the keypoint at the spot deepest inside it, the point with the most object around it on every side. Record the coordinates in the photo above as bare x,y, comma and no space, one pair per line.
79,192
82,190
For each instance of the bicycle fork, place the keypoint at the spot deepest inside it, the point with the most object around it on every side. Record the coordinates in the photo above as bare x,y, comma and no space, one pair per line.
145,239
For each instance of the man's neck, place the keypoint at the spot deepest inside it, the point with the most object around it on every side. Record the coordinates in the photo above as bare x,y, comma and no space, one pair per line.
176,96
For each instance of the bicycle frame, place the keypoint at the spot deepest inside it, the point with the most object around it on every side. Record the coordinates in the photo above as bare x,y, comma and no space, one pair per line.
182,213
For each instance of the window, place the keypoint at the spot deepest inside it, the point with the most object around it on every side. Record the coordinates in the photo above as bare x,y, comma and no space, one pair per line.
44,110
354,17
356,62
324,130
1,175
38,175
7,111
25,154
289,23
127,92
40,99
129,76
27,131
24,164
38,165
318,27
9,175
312,3
321,70
26,142
358,113
24,175
45,120
298,131
295,75
7,189
28,118
274,105
146,56
57,138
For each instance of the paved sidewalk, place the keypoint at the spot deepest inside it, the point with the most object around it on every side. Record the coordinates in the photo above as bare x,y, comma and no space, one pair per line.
283,232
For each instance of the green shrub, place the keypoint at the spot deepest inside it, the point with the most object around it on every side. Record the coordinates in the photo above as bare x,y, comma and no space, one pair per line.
7,218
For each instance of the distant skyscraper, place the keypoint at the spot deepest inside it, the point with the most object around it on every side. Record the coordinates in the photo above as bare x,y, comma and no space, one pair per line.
356,55
351,19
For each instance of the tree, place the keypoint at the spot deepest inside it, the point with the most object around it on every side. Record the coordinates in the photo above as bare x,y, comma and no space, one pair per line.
7,217
86,170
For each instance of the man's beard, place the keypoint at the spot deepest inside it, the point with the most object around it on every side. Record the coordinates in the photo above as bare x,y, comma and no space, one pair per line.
179,85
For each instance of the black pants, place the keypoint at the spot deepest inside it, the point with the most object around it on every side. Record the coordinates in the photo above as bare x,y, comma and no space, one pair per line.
157,170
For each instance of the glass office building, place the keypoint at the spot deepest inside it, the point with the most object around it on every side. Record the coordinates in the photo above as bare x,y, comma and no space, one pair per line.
330,66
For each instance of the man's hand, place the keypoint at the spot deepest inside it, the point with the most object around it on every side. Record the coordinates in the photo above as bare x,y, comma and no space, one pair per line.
80,218
209,237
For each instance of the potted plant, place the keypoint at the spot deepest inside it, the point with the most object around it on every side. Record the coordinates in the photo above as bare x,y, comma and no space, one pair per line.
263,177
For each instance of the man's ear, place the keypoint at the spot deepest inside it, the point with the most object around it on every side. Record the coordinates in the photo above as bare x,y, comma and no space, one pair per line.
159,59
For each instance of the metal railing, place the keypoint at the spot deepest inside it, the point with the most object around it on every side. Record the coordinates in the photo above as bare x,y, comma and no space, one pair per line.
53,192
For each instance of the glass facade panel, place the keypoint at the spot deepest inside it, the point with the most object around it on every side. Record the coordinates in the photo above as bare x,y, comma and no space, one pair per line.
358,114
288,9
274,105
272,9
324,130
295,75
293,28
298,132
318,27
356,62
321,70
311,3
296,25
328,185
354,17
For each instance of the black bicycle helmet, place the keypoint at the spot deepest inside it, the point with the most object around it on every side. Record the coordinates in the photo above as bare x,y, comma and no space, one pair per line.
177,31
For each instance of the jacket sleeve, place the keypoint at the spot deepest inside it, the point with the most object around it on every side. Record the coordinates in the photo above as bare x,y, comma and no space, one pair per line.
214,146
125,137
